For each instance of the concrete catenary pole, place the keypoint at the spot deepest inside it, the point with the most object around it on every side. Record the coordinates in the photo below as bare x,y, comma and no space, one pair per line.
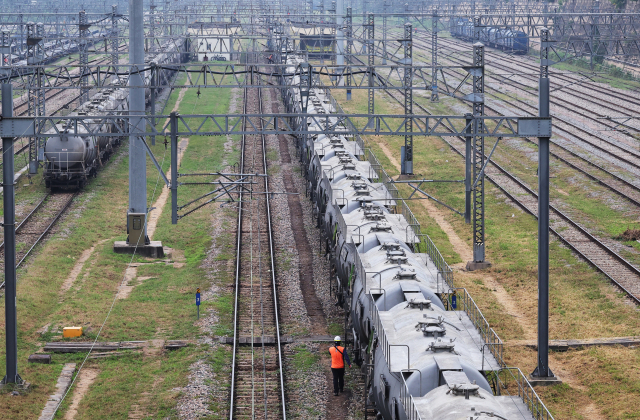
10,312
137,156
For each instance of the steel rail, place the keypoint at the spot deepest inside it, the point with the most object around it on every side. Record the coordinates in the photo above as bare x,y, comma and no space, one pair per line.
564,76
55,219
241,211
46,230
237,280
273,270
28,217
580,95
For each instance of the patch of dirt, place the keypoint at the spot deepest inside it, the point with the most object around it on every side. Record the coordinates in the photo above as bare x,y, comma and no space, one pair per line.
177,105
77,268
175,257
510,306
630,235
44,328
153,348
459,246
86,377
155,214
125,289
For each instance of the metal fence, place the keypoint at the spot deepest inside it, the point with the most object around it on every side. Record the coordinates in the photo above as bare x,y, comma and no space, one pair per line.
492,342
509,376
408,403
445,273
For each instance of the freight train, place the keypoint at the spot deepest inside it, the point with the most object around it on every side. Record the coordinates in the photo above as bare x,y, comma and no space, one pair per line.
504,39
423,345
69,161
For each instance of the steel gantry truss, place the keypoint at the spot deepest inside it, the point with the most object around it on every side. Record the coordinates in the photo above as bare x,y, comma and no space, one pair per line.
434,56
115,59
83,51
283,123
349,49
370,28
385,6
478,154
35,92
407,156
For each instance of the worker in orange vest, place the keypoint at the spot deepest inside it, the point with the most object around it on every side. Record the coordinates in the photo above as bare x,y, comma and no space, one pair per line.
338,356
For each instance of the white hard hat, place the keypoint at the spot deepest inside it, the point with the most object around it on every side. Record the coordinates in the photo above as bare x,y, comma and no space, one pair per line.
337,338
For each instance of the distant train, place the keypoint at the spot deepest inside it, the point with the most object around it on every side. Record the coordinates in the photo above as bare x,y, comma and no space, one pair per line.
508,40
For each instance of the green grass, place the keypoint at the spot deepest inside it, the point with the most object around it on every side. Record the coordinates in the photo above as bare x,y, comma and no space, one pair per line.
304,360
161,306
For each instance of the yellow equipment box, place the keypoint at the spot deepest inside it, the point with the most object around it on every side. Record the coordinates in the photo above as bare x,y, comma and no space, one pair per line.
68,332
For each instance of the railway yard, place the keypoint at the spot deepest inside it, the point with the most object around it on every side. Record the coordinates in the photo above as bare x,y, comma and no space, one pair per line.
205,194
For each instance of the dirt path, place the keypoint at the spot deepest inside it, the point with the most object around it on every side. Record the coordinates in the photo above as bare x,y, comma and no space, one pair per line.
177,105
303,247
337,406
155,214
77,268
459,246
86,377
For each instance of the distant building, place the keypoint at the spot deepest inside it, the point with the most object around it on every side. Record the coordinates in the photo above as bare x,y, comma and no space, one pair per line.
213,41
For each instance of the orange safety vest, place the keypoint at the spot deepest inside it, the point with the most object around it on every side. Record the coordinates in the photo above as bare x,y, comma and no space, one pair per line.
337,357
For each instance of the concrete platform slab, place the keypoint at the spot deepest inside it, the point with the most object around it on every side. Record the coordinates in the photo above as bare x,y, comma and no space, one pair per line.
551,380
153,250
473,266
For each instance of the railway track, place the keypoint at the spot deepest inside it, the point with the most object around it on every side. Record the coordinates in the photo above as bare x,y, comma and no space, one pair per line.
37,225
257,385
620,152
616,268
616,183
605,177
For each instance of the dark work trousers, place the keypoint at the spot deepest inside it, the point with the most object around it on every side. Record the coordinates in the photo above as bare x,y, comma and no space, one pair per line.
338,379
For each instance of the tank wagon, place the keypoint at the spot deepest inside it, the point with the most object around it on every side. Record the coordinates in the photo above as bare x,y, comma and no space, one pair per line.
501,38
69,161
422,358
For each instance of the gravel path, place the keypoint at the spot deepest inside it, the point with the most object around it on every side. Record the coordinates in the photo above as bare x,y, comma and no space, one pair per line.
309,387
